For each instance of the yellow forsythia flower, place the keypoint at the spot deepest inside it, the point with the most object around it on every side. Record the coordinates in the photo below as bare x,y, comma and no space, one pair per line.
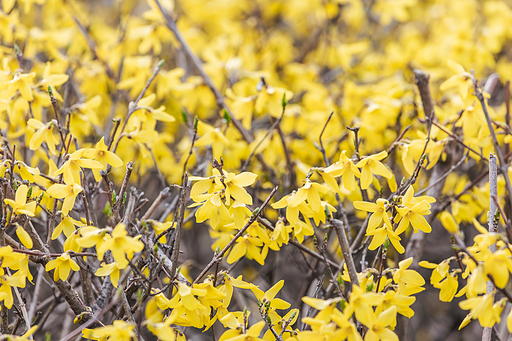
62,266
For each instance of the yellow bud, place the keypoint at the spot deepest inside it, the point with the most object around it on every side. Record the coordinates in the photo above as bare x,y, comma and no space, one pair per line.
466,321
449,222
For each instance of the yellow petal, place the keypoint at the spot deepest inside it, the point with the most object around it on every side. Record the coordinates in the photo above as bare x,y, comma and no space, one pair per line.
24,237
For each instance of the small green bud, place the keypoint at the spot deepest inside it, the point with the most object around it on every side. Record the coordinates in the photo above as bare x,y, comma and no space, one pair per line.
340,279
184,116
369,287
284,102
226,116
114,197
155,248
196,122
139,295
160,63
48,336
255,212
125,195
385,245
107,210
29,193
269,320
50,91
327,212
343,304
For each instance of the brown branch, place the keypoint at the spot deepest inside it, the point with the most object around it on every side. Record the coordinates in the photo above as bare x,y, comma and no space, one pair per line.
114,131
422,80
493,224
84,199
179,228
159,199
55,255
345,249
122,191
53,217
57,115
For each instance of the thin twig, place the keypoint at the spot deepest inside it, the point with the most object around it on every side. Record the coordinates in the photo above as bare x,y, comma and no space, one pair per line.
248,161
502,164
120,196
398,138
84,198
322,149
179,228
444,176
